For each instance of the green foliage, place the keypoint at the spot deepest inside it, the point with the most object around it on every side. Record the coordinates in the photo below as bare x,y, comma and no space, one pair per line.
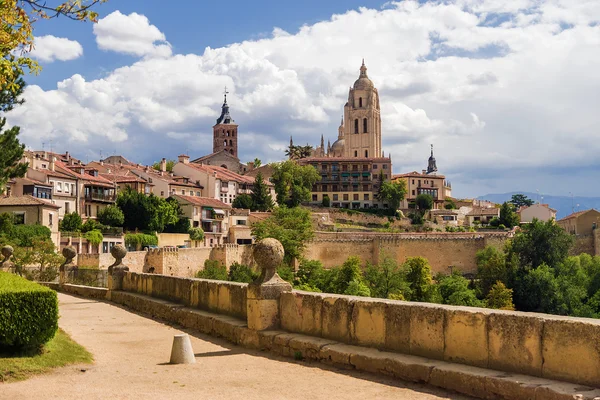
91,225
256,163
450,204
424,202
519,200
169,166
309,273
146,213
508,216
42,254
286,273
182,225
387,279
243,201
307,288
491,268
196,234
29,313
213,270
541,243
291,226
392,192
418,276
11,154
140,240
94,237
261,198
6,223
416,218
241,273
293,183
71,222
326,201
27,235
454,290
357,288
111,216
348,272
495,222
499,297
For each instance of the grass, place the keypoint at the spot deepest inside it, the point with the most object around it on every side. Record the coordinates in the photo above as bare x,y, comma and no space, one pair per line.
58,352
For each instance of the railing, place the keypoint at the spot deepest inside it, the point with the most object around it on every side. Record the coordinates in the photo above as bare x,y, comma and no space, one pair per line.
87,277
99,197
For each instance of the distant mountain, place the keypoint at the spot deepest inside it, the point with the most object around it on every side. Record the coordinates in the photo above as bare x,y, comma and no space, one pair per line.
562,204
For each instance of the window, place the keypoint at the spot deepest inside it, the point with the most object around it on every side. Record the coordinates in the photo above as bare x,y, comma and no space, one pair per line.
66,188
355,196
183,192
195,210
231,142
334,188
384,166
385,176
360,101
50,219
67,207
19,218
240,222
355,167
344,167
344,188
172,191
73,188
413,192
365,188
324,167
335,197
227,133
366,153
346,197
374,166
365,125
97,210
198,194
366,196
365,167
413,181
355,153
356,126
59,186
162,193
324,188
314,197
225,143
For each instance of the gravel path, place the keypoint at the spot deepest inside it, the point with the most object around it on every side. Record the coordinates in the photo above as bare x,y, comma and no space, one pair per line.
131,352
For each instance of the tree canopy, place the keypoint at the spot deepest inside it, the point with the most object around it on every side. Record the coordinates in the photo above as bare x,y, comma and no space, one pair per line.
243,201
392,192
424,202
169,165
261,197
508,216
293,182
12,149
146,213
111,216
518,200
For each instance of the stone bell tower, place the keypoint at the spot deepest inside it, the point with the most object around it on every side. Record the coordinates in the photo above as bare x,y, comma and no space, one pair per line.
225,131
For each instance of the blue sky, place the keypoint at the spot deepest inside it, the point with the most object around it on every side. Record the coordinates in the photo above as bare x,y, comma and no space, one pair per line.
506,90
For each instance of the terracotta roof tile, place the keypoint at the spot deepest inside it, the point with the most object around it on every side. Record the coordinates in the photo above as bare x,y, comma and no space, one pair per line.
26,200
202,201
576,214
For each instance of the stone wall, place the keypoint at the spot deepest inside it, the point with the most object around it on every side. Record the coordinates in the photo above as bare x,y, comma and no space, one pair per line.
584,244
516,342
172,239
440,249
216,296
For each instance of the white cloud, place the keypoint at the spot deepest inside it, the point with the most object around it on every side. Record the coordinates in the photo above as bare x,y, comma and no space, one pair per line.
131,34
495,85
49,48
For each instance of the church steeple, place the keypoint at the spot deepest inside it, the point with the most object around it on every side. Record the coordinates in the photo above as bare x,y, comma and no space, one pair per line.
225,118
431,165
225,133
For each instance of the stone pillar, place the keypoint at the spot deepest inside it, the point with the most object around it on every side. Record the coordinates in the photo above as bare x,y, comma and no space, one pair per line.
117,271
69,254
264,293
6,264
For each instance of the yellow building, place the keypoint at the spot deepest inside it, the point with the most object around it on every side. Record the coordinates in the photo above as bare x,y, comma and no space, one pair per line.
581,222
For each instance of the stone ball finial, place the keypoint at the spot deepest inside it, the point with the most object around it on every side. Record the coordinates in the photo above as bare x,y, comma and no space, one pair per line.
118,252
69,253
268,253
7,251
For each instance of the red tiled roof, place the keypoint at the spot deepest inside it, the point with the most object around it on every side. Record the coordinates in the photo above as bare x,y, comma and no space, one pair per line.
223,173
484,211
576,214
26,200
202,201
34,182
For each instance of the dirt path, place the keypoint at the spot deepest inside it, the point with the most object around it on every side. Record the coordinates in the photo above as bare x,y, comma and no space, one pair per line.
131,352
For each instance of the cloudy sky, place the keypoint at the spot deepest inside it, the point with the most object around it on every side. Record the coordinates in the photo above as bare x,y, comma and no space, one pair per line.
506,90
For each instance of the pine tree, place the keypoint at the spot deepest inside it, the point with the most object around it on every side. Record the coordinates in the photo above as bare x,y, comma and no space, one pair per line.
261,198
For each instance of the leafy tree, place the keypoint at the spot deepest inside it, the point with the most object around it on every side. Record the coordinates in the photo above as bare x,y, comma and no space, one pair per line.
243,201
518,200
90,225
450,204
538,291
454,289
291,226
12,152
17,39
424,202
293,183
71,222
418,276
213,269
27,235
541,243
6,223
169,166
196,234
257,163
261,198
41,252
94,237
326,201
286,273
499,297
491,268
139,241
111,216
416,218
392,192
241,273
348,272
357,288
508,216
146,213
183,223
386,279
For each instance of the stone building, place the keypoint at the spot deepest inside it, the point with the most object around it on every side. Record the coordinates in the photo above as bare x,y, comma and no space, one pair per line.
30,210
541,212
209,214
581,222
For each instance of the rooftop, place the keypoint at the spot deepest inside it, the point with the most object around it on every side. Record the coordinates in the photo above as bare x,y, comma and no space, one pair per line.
25,201
201,201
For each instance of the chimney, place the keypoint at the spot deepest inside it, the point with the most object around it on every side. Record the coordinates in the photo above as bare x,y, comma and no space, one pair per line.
51,163
424,171
163,165
101,162
67,156
184,159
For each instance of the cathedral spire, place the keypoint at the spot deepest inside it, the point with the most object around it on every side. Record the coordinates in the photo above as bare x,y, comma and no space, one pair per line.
225,117
431,165
322,142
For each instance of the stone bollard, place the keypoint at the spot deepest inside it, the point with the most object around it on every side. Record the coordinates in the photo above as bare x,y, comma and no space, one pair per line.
264,293
117,271
69,254
182,352
6,264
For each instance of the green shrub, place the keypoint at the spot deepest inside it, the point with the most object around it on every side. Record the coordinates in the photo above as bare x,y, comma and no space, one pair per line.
213,270
111,216
91,225
326,201
71,222
196,234
95,237
28,313
241,273
26,235
140,240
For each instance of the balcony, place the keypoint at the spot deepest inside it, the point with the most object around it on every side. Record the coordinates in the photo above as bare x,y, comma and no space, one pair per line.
110,198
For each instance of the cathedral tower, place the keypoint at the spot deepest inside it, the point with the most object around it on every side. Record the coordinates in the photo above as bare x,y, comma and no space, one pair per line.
225,131
361,125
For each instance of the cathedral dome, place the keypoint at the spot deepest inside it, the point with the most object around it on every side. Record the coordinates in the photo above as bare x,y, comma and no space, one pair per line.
338,146
363,82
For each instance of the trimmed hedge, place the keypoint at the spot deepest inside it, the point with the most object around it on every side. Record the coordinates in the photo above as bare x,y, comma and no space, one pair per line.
28,313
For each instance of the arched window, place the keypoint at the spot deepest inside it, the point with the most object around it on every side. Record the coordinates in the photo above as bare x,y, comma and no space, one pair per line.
366,153
232,133
225,143
227,133
365,125
356,126
360,102
224,166
231,142
355,153
231,151
223,133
